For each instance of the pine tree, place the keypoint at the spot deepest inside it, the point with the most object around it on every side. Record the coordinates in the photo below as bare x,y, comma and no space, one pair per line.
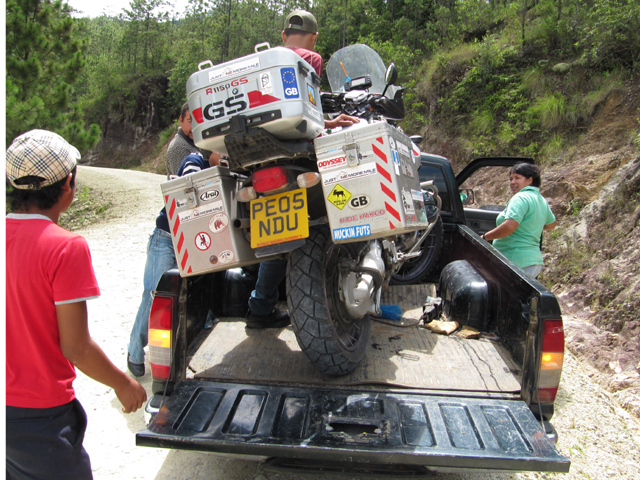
44,58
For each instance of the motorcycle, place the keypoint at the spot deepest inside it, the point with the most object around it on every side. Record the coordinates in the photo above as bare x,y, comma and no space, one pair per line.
346,207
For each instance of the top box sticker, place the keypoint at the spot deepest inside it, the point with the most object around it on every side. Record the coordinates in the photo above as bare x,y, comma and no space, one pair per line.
233,70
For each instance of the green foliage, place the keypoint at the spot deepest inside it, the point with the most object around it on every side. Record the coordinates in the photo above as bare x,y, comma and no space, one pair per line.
45,56
611,34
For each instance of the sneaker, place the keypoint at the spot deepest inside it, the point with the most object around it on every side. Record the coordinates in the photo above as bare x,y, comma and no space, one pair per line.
136,369
276,319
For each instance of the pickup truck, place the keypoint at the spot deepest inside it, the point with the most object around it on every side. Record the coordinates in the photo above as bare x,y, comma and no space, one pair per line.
419,403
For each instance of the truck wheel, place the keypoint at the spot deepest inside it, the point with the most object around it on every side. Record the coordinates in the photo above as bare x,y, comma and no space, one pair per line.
417,269
333,341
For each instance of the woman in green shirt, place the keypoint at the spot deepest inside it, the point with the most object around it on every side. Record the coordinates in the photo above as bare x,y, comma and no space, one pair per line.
520,225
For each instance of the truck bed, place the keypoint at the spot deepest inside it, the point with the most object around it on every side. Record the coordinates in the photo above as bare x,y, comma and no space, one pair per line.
403,356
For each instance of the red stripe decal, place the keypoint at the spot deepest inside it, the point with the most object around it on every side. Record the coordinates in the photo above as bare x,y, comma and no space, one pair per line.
256,99
380,140
197,115
180,242
176,226
384,173
380,153
392,211
172,210
391,226
185,258
388,192
189,271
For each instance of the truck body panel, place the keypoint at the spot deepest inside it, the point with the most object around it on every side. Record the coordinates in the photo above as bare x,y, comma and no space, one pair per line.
418,400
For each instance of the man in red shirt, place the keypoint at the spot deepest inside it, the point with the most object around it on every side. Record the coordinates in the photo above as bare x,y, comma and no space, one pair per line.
300,35
49,278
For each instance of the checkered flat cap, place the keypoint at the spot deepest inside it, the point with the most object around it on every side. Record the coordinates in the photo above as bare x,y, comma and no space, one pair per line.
301,20
42,154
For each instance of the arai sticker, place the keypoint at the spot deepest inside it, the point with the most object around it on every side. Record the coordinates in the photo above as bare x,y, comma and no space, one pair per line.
218,223
203,241
226,256
339,196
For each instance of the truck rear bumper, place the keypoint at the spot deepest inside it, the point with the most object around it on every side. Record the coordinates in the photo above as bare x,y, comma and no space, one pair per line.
316,424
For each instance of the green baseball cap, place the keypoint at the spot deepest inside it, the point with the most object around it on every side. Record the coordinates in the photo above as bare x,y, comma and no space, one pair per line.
301,20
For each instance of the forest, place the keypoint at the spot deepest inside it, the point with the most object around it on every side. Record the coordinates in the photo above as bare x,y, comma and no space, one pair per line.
491,75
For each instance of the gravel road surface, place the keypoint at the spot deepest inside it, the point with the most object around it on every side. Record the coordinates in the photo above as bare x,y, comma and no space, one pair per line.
600,438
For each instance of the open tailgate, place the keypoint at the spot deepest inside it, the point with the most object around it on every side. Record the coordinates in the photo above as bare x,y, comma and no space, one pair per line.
350,425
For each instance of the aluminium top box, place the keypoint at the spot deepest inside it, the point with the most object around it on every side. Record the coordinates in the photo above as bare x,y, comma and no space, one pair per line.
201,210
274,89
370,182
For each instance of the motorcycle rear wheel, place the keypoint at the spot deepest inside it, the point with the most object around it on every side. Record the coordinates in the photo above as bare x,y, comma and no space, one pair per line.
334,342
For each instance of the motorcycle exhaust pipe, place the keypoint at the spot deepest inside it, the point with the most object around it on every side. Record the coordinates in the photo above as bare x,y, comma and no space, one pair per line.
358,292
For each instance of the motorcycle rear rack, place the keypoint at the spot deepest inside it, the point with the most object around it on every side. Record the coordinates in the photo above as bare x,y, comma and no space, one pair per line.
254,145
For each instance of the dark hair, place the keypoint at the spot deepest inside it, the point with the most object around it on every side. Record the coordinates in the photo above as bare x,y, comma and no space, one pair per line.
527,170
184,109
44,198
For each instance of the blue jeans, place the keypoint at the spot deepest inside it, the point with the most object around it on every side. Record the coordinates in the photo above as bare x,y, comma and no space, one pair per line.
533,270
160,258
264,298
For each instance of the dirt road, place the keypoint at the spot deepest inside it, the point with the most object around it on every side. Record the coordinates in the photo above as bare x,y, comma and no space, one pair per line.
602,440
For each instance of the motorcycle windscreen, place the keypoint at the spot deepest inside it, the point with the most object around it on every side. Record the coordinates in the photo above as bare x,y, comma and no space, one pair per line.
356,61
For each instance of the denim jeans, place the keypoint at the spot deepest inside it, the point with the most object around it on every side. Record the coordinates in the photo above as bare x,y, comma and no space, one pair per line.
160,258
264,298
533,270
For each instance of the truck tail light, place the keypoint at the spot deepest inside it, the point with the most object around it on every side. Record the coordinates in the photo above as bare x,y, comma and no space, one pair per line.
269,179
551,361
160,324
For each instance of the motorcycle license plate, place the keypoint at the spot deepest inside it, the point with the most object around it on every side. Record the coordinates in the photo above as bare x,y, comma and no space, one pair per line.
279,218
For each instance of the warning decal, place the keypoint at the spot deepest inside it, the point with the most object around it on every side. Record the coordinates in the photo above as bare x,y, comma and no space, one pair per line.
203,241
339,196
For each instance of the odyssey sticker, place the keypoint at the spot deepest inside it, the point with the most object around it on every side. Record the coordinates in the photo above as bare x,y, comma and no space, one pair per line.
234,69
332,163
289,82
359,201
209,195
226,256
203,241
198,212
351,232
349,174
266,86
218,223
339,196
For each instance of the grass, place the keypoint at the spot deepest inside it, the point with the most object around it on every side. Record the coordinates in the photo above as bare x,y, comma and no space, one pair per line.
87,208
